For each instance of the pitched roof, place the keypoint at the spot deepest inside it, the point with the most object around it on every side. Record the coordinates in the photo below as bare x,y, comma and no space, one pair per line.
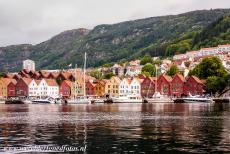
51,82
66,75
152,78
168,78
37,81
197,79
55,74
7,81
180,76
27,80
44,74
69,83
9,75
117,79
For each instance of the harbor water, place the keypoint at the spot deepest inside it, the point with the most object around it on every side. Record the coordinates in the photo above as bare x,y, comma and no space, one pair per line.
119,128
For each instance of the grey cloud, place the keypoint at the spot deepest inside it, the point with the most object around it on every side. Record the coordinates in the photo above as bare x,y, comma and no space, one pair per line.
34,21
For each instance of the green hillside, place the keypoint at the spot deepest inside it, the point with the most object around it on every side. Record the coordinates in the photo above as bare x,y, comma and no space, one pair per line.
157,36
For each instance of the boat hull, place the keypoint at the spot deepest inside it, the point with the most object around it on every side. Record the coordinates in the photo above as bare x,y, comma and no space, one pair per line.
159,100
193,100
79,101
127,101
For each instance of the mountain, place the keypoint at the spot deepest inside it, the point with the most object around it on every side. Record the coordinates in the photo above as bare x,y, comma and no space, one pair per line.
212,35
216,33
110,43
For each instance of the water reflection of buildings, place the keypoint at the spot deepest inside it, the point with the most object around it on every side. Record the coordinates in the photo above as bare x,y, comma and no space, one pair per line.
184,127
119,127
13,133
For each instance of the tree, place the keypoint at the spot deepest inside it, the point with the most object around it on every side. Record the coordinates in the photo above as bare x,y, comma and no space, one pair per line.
149,70
209,67
216,84
106,65
108,75
173,70
97,74
146,59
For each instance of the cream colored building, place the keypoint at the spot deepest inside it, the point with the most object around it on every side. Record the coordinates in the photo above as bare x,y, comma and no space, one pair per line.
112,87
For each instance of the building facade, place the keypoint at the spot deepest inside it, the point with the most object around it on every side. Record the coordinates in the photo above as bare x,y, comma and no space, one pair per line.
178,85
112,87
29,65
164,85
148,87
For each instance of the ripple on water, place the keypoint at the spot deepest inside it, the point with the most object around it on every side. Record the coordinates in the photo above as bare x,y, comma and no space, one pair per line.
119,127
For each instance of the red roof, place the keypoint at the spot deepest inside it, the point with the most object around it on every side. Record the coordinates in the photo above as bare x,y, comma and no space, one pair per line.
7,81
181,77
51,82
197,79
69,83
27,80
168,78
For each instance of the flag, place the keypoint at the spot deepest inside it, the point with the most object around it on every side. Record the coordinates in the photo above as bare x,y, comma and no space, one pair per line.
70,65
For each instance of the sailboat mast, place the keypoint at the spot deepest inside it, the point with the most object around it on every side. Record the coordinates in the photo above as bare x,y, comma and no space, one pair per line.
75,84
84,75
156,79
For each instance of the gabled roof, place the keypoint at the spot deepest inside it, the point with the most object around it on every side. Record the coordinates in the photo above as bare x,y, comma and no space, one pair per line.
37,81
54,74
51,82
44,74
152,78
9,75
181,77
117,79
69,83
127,80
197,79
168,78
27,80
66,75
7,81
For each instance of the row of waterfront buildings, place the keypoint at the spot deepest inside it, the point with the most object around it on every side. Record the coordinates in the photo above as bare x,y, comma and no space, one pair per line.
68,84
31,83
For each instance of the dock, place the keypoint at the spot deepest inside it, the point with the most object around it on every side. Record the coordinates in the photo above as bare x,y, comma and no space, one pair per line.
221,100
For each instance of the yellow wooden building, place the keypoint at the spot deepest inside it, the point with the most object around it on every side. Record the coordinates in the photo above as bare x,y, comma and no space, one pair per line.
112,87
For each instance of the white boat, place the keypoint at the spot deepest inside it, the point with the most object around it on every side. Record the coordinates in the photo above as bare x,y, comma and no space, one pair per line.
83,99
79,100
127,99
196,99
158,98
45,101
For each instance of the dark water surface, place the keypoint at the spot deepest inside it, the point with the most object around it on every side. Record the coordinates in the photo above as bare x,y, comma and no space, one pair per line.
119,128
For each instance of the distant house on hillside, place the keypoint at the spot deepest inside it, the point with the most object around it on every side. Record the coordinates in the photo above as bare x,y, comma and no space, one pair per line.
29,65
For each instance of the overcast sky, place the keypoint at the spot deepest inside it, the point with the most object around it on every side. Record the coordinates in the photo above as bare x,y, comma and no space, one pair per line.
34,21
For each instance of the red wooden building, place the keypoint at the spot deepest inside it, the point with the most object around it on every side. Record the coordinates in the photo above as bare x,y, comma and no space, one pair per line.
178,85
65,89
89,88
194,86
22,88
148,87
164,84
